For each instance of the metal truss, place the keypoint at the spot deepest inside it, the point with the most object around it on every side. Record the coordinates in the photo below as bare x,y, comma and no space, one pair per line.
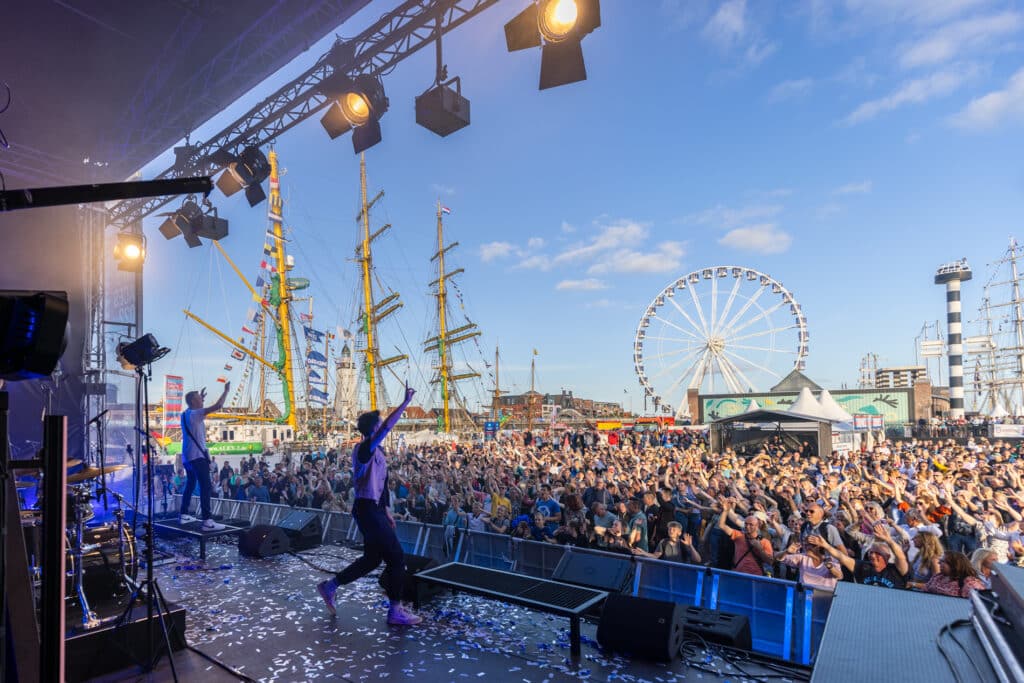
377,50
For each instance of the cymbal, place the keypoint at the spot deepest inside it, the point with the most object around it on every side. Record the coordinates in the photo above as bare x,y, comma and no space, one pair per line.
75,462
93,472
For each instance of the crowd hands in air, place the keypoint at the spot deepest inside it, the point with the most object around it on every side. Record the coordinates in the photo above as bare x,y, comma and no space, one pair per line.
933,516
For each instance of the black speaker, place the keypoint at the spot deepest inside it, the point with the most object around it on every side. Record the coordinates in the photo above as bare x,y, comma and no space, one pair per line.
722,628
604,572
303,529
263,540
641,627
414,590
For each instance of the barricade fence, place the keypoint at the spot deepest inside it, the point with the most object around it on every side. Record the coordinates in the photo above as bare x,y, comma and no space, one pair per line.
786,619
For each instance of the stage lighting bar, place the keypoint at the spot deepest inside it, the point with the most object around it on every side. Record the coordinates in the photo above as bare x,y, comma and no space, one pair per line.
558,27
358,103
191,222
130,251
247,171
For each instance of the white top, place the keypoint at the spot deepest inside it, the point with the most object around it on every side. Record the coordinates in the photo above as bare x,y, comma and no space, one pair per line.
196,421
813,577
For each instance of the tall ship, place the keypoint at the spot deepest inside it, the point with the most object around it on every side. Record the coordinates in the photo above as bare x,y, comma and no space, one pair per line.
994,367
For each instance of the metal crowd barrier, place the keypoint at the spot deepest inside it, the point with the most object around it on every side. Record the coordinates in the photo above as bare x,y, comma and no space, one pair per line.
786,619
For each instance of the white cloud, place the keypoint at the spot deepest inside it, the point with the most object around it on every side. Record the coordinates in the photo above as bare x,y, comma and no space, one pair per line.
443,189
666,257
496,250
919,12
568,227
759,51
728,25
620,234
600,303
862,187
535,262
790,89
726,217
917,91
587,285
535,243
952,40
995,107
765,238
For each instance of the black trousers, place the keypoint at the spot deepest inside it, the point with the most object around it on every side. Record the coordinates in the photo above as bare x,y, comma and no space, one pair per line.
380,544
197,470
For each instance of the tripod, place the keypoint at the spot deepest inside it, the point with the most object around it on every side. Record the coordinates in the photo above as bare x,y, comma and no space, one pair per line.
156,604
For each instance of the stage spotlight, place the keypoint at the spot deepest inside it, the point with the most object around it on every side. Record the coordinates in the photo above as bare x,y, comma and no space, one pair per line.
247,171
358,105
558,28
33,333
191,222
142,351
130,251
442,110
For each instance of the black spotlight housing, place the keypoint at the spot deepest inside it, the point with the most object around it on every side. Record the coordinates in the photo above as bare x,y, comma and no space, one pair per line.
359,102
561,50
33,333
247,171
192,223
142,351
442,110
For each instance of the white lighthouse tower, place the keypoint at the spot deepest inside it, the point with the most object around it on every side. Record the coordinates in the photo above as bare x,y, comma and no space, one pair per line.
345,399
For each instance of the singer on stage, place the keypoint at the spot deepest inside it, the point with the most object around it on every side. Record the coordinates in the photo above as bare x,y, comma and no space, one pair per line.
195,456
370,471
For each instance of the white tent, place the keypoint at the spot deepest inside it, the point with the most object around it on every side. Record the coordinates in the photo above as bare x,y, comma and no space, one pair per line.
999,412
806,404
832,409
752,407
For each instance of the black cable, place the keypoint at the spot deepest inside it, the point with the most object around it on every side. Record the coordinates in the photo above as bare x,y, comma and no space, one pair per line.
970,658
945,654
221,664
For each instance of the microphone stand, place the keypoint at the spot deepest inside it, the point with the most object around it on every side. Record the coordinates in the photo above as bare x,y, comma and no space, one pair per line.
101,452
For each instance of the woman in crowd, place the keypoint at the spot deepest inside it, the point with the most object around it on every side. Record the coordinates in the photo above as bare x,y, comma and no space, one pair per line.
956,576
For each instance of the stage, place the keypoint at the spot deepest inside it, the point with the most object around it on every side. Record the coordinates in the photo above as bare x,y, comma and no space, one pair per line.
264,619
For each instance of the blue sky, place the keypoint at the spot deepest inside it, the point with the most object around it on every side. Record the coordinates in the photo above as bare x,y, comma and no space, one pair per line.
846,148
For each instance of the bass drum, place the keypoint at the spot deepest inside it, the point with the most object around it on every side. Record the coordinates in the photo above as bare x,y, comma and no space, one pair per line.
102,567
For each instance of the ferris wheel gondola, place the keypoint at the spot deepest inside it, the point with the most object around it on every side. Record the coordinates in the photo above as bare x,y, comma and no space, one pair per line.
724,328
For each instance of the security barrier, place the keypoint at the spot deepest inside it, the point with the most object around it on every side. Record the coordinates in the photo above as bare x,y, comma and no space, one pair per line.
786,619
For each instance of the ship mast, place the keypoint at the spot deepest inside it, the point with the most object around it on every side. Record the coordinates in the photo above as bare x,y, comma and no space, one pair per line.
445,338
282,297
497,385
373,312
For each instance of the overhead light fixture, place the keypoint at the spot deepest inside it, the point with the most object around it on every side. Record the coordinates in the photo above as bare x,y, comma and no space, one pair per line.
246,171
130,251
359,103
143,351
33,333
192,222
442,110
558,27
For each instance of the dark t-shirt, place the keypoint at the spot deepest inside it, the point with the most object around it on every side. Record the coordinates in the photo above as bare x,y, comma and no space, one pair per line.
671,550
887,578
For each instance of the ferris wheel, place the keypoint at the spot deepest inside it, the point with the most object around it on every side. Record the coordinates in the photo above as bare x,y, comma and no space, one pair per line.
726,328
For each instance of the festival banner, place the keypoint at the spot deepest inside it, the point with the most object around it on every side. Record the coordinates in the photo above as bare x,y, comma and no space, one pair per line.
174,391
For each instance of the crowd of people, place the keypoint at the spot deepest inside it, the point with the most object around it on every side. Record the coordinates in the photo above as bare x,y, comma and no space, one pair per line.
929,515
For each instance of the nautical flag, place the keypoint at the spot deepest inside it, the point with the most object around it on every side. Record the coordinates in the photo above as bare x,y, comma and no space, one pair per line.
266,249
312,335
445,209
222,379
271,235
316,393
228,367
250,315
308,317
247,330
237,355
260,282
316,358
313,374
263,264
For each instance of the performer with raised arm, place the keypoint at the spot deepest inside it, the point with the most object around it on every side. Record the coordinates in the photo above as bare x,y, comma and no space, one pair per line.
370,510
196,458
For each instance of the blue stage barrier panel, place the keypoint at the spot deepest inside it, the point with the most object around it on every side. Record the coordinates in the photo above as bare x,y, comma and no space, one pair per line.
484,549
669,581
768,603
536,558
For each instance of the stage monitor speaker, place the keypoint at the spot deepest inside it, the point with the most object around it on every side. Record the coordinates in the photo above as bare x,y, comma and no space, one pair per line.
732,630
641,627
263,540
303,529
610,573
415,591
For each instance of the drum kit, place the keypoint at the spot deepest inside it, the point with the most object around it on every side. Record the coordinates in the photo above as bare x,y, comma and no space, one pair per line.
99,559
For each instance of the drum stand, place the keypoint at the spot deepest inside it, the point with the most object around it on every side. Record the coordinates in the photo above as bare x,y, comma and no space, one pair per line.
156,604
80,494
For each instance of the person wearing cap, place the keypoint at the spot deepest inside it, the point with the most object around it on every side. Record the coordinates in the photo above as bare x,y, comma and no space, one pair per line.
875,569
370,511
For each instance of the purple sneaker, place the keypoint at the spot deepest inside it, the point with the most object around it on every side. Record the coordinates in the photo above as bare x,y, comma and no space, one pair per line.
326,590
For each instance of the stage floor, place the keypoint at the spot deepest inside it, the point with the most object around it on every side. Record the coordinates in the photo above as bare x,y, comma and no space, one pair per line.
265,619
